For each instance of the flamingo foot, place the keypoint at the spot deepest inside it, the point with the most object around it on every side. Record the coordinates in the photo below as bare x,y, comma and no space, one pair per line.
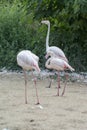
56,95
26,102
48,87
37,103
62,94
59,86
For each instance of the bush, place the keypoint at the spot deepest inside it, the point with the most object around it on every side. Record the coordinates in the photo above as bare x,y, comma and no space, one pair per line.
18,31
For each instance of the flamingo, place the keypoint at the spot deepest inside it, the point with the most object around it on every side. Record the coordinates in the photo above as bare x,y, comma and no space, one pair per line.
28,61
56,50
59,65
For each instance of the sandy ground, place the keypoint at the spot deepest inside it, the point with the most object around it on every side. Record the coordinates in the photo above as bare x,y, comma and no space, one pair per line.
58,113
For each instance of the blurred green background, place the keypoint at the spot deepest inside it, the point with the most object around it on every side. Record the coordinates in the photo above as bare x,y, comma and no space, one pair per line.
20,28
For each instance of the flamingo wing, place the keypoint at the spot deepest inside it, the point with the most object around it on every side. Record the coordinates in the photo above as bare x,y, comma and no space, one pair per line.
58,52
25,60
58,64
32,54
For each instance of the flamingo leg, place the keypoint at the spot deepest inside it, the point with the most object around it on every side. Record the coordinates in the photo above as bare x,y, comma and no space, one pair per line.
59,81
58,84
35,82
49,86
65,85
25,86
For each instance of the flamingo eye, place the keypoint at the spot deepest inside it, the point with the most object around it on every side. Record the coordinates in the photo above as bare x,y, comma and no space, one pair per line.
48,57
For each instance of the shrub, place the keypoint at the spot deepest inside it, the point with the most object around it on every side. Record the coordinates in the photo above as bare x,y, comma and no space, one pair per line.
17,32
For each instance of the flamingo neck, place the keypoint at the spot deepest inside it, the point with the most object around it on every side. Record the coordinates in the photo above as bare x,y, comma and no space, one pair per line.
47,38
48,64
36,67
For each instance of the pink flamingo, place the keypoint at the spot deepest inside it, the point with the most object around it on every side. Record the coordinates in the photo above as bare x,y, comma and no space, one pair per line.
59,65
56,50
28,61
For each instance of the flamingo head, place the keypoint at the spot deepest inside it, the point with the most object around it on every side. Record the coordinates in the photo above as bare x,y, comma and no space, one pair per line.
45,22
49,54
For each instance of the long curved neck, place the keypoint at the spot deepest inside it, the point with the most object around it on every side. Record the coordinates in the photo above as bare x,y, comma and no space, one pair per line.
47,65
47,38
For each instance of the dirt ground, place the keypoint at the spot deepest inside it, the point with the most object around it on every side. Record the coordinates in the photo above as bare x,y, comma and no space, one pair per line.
57,113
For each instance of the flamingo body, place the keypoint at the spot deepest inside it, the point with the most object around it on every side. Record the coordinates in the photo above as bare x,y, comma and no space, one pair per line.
58,53
56,50
28,61
57,64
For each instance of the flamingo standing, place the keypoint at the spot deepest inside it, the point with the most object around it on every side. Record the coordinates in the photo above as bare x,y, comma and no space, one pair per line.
56,50
59,65
28,61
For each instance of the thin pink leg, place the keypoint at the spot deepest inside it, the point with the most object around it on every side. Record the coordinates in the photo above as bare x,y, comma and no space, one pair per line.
65,84
50,83
35,81
58,83
25,86
59,79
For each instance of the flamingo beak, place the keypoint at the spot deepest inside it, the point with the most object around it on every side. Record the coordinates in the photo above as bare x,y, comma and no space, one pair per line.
46,56
42,22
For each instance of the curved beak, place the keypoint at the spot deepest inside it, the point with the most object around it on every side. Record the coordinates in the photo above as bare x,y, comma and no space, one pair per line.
46,56
41,22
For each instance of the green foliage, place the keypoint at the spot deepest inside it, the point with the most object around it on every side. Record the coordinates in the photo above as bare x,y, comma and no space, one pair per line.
68,28
20,29
17,32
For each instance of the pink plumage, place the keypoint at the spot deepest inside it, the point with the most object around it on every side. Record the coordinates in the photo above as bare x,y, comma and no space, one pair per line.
56,50
58,53
28,61
59,65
